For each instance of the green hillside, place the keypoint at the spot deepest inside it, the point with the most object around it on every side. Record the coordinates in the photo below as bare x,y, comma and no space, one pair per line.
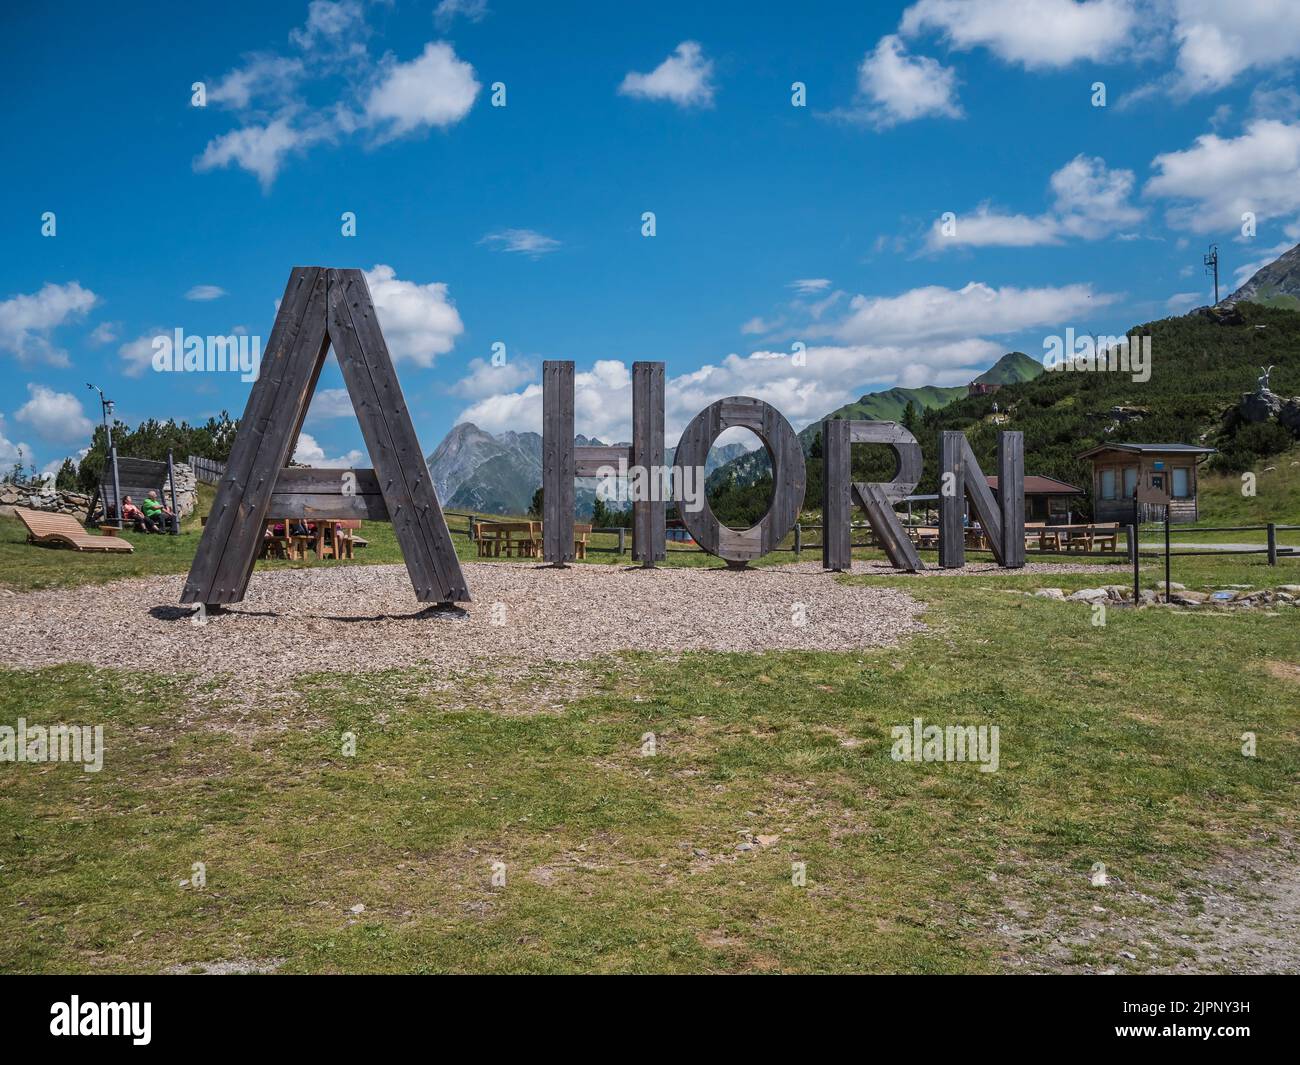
889,406
1012,368
1201,363
892,404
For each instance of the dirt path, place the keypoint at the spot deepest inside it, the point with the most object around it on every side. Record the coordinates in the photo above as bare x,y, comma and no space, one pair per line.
1239,915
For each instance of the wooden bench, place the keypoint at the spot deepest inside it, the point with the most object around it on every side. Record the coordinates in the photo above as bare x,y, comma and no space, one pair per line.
519,538
1090,537
924,536
522,539
345,537
136,477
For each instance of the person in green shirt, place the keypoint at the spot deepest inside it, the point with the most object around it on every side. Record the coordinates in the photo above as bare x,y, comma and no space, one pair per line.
157,516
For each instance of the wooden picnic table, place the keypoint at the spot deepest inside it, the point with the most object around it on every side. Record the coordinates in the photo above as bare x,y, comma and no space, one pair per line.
522,539
293,546
1078,537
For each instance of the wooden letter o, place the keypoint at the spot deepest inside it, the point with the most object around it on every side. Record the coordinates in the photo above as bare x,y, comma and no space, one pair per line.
788,475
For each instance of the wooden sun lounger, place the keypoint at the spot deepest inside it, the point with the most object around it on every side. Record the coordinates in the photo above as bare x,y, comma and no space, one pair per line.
46,528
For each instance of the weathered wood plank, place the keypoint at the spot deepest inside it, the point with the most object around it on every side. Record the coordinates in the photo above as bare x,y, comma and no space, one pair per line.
390,437
1002,518
984,507
837,495
589,461
326,479
908,458
327,494
232,536
1011,496
952,500
874,501
558,469
648,516
319,307
327,506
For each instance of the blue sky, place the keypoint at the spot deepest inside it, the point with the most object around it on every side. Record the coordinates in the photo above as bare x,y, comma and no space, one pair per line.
522,225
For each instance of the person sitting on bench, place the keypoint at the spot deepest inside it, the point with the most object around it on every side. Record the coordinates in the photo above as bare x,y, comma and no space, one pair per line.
155,512
138,519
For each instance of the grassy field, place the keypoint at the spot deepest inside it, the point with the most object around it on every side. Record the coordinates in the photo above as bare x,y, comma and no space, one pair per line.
1120,744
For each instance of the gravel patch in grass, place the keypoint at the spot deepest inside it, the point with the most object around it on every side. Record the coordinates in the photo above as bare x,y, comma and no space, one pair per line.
364,618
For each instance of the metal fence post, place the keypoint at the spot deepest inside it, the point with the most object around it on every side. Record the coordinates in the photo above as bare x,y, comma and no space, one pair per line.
798,538
117,486
1133,549
621,539
1272,543
1166,553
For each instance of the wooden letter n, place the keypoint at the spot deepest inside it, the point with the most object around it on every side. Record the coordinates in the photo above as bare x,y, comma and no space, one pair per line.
1002,519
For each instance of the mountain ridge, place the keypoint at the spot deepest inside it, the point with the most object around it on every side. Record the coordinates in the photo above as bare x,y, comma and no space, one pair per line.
1276,284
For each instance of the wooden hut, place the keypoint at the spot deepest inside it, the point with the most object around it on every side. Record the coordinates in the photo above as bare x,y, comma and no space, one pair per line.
1166,474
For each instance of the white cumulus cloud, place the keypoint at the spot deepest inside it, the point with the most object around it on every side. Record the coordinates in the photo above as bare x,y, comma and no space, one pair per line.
261,149
487,379
684,78
1035,34
1219,41
28,320
56,416
309,453
1091,201
895,87
434,89
1215,181
420,322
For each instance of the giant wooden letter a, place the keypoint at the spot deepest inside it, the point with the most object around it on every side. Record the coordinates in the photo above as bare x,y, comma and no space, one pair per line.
323,307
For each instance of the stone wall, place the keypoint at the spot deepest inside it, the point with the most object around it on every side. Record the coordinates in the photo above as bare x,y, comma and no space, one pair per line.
45,498
75,503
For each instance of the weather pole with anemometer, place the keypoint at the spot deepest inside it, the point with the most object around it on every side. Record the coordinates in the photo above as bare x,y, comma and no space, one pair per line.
1211,261
106,409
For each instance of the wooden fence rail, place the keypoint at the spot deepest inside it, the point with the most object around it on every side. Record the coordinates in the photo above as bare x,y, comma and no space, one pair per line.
206,470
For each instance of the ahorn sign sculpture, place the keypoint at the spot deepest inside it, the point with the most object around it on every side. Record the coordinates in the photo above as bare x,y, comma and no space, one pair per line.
323,307
961,480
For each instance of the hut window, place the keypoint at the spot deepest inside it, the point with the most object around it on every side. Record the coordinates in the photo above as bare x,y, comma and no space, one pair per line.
1108,484
1182,482
1130,481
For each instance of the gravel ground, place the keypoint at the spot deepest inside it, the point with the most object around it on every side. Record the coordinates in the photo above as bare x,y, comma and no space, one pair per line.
365,618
